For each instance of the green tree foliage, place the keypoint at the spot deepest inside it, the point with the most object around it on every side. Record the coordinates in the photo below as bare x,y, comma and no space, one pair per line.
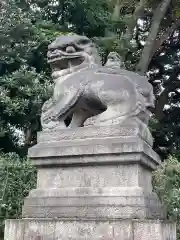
24,75
26,28
164,76
81,16
166,181
146,33
17,178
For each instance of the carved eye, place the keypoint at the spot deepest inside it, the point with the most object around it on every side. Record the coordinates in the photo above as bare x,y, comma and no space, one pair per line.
63,48
83,42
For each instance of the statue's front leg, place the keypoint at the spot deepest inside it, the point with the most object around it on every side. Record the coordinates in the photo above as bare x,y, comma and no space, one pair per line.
78,118
48,119
50,123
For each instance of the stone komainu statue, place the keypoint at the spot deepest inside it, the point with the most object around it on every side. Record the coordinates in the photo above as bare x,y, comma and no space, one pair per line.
90,93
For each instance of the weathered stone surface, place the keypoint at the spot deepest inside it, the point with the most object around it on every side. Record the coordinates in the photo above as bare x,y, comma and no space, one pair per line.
131,128
78,147
77,204
114,61
105,155
94,176
93,212
84,89
155,230
14,230
40,229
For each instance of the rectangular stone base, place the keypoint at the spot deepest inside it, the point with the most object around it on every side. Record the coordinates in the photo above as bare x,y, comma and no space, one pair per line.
46,229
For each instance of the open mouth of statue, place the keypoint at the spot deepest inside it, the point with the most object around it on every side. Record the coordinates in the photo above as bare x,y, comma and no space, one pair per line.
61,63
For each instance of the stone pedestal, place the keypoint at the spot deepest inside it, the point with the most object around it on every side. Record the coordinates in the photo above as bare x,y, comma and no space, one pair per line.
93,183
50,229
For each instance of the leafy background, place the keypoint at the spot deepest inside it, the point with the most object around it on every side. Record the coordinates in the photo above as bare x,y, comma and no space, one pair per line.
146,33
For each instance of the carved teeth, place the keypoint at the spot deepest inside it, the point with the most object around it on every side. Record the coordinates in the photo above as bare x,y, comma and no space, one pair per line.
62,63
56,58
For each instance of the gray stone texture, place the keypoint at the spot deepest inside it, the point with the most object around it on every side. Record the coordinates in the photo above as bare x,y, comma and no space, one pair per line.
14,230
48,229
95,177
134,127
82,174
130,142
85,89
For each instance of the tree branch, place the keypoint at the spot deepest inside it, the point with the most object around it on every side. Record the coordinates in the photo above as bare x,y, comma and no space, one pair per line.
138,12
158,44
145,59
116,11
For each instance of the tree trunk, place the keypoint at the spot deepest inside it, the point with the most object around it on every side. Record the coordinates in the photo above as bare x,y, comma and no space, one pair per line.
158,44
145,59
27,136
116,12
114,17
62,12
138,12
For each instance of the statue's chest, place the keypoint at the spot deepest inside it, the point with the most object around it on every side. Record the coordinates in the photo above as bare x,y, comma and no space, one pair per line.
60,88
64,84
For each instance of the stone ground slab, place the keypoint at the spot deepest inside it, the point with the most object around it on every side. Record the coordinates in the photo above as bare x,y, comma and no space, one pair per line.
47,229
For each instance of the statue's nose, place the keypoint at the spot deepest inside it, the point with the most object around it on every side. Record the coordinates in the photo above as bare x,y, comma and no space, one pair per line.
70,49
